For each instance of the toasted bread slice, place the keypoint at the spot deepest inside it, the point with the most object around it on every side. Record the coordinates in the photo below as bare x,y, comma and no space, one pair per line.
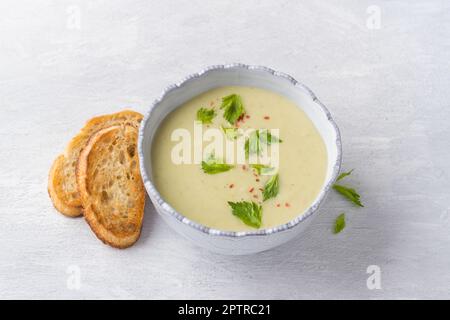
56,180
110,186
62,184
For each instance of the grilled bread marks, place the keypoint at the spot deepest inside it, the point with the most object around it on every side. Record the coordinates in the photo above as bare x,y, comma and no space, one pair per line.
63,186
111,187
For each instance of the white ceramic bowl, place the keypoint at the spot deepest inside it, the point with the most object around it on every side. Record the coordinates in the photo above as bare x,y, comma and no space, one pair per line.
227,242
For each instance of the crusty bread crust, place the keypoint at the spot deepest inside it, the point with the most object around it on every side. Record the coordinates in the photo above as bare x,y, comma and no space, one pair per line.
110,185
55,179
62,186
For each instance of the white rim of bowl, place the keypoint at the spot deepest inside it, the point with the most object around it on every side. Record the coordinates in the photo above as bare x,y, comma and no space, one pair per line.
153,193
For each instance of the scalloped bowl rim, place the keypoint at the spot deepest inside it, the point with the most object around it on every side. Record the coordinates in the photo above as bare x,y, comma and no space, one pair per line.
155,195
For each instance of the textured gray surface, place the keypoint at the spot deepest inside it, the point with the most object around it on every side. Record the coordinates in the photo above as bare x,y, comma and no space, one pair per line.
388,89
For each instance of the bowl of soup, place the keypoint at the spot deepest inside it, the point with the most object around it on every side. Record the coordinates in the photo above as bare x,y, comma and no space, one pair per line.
238,158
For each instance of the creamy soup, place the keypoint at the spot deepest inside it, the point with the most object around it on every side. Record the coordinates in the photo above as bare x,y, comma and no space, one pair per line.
204,197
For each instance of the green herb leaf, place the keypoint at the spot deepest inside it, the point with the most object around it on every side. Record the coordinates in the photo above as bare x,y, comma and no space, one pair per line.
263,169
230,133
257,139
344,174
233,108
205,115
259,167
271,188
348,193
249,212
253,143
339,223
246,148
213,166
266,137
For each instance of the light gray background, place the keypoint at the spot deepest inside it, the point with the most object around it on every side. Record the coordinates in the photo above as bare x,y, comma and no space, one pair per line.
388,89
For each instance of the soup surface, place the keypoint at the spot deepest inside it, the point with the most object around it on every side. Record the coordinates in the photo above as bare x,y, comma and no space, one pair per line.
205,198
